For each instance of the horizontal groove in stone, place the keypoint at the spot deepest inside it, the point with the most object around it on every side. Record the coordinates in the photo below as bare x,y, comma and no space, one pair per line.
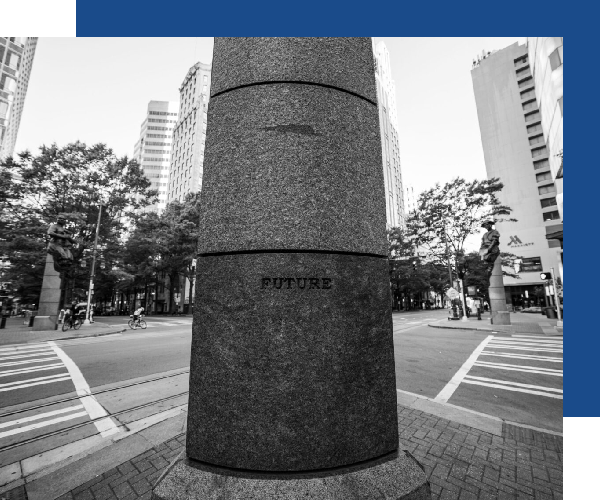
270,251
299,82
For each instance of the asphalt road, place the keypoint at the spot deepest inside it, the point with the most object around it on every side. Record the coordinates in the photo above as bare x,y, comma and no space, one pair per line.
139,373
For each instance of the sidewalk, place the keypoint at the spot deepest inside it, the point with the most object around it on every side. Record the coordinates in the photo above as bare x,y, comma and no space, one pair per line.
521,323
18,333
466,455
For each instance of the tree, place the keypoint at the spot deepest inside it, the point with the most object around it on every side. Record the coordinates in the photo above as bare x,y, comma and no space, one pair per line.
448,214
165,244
73,181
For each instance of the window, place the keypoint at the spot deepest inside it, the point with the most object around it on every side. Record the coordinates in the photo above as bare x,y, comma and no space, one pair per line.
539,152
521,72
536,140
548,202
540,164
546,176
531,264
534,128
528,93
555,60
521,60
550,188
526,83
529,105
532,116
554,215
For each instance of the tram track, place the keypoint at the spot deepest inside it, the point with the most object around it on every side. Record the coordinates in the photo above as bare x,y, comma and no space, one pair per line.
92,421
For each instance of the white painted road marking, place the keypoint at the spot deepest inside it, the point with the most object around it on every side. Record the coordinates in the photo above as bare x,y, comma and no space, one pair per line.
28,361
19,421
520,368
21,356
514,386
41,382
17,371
451,386
532,357
46,423
96,411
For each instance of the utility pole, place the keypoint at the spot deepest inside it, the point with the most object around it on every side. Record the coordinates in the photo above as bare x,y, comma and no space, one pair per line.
91,287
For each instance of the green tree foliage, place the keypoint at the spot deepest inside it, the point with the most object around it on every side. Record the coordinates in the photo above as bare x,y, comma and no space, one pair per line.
73,181
165,244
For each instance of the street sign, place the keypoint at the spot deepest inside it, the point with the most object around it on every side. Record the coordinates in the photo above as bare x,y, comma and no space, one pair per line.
472,290
452,294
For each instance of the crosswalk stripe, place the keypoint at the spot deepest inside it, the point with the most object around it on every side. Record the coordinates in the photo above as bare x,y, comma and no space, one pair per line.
41,382
20,421
29,380
21,356
18,371
517,384
27,361
526,348
42,424
516,368
522,356
535,337
537,344
458,377
32,346
514,389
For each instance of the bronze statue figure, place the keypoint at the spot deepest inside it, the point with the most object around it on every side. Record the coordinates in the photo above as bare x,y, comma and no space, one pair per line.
59,245
490,246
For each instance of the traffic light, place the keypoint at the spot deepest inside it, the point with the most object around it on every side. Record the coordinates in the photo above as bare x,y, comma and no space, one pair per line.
545,276
414,264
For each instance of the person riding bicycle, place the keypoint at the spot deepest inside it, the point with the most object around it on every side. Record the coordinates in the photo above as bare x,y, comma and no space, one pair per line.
138,313
71,312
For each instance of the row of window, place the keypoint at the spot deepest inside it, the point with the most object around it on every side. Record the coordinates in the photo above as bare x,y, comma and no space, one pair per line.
155,151
157,176
153,167
526,83
531,129
538,139
155,159
532,116
539,152
167,144
158,136
159,120
529,105
541,164
548,202
160,128
526,94
162,113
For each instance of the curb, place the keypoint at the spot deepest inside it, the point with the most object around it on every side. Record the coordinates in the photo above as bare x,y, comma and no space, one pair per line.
92,335
465,328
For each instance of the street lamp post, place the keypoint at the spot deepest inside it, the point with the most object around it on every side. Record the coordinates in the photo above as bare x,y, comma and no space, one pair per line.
93,269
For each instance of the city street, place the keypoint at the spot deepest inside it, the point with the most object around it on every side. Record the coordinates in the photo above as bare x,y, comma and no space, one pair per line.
77,393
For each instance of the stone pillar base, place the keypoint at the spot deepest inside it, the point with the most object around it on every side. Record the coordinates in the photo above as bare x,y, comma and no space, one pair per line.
41,323
398,476
500,318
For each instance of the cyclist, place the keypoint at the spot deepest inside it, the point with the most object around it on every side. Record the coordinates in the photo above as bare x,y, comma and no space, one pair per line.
137,314
71,313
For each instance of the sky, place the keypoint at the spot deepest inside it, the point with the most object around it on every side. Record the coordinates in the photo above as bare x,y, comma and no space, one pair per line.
97,90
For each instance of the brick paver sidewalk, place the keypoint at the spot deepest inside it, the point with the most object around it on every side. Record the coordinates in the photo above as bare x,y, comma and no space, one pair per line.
521,323
461,463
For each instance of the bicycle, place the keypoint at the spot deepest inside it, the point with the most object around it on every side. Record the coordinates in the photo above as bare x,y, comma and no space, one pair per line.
133,324
71,322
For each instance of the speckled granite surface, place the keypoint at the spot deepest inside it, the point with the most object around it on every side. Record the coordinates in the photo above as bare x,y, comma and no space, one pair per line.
292,362
397,479
293,166
345,63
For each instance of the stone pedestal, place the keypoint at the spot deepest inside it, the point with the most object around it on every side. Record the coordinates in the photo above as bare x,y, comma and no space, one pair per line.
49,299
500,314
394,477
292,366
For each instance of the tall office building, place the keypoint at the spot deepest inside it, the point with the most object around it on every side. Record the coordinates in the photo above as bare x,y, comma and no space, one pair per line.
546,62
189,134
153,148
390,148
515,150
16,59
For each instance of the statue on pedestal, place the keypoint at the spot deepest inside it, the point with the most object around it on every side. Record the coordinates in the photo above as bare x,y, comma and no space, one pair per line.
60,242
490,246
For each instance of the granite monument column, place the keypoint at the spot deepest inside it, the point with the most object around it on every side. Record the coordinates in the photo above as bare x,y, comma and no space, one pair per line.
292,380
